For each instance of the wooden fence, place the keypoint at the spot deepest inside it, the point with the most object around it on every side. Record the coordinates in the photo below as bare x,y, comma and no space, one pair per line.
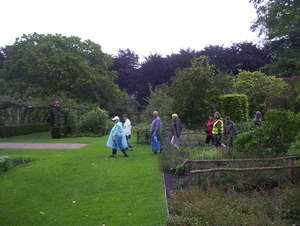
211,172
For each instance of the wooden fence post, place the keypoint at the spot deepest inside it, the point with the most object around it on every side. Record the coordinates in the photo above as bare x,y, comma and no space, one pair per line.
291,170
198,175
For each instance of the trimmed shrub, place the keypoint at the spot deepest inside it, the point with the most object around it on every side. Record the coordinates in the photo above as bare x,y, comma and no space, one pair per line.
235,106
17,130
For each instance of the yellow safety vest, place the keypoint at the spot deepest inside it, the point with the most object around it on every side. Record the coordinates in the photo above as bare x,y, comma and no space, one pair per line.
215,129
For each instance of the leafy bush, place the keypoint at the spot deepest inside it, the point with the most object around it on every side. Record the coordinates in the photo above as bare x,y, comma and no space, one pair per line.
178,169
142,131
172,159
290,198
273,138
216,207
243,127
94,122
73,120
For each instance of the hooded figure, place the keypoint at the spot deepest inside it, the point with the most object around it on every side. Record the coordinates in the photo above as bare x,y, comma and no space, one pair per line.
257,119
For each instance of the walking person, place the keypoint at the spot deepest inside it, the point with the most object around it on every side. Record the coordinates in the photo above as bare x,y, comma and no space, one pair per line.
230,132
127,131
156,133
116,139
176,131
218,130
208,130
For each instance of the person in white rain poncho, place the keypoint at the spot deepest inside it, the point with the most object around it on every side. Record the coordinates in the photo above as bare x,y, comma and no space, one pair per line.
116,139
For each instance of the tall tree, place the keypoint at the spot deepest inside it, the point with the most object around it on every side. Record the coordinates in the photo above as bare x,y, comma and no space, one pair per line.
42,65
4,87
258,86
240,56
250,57
126,63
182,59
157,70
193,92
279,21
153,72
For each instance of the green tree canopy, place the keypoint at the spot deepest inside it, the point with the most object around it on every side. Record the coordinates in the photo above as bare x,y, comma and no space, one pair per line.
193,92
258,86
279,21
159,100
44,65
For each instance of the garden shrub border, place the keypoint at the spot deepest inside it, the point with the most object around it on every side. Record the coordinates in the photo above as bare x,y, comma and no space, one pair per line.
17,130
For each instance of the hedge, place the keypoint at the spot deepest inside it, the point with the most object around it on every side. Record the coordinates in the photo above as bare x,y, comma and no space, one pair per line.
235,106
17,130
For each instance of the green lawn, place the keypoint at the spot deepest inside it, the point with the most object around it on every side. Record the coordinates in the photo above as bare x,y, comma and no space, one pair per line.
81,186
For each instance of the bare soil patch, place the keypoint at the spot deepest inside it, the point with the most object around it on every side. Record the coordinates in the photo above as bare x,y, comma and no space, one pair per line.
42,145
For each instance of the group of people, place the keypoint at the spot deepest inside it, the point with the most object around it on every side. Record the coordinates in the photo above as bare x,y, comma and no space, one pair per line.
156,132
120,134
215,129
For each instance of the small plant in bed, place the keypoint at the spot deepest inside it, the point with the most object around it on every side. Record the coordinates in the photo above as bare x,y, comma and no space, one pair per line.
7,163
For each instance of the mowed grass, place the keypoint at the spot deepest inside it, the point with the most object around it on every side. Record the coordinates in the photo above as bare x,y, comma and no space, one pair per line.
81,186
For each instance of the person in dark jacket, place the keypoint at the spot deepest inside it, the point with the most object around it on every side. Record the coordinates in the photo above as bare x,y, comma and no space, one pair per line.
176,130
230,132
257,119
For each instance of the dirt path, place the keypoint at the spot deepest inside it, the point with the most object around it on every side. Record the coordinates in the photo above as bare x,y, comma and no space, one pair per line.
42,145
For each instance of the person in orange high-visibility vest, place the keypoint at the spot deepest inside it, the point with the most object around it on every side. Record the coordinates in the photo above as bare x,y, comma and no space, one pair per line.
218,130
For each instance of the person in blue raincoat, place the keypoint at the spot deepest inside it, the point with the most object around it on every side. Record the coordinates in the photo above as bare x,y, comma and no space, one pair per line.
116,139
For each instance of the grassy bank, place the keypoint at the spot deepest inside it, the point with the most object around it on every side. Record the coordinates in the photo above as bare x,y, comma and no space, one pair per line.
81,186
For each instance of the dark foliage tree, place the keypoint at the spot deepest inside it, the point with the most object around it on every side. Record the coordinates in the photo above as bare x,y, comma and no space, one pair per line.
182,59
157,70
220,56
126,63
250,57
240,56
42,65
153,72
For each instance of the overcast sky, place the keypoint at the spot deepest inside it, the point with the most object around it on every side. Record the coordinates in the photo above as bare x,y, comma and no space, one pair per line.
156,26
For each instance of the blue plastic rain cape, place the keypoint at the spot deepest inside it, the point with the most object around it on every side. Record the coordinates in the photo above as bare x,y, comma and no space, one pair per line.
120,142
155,144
